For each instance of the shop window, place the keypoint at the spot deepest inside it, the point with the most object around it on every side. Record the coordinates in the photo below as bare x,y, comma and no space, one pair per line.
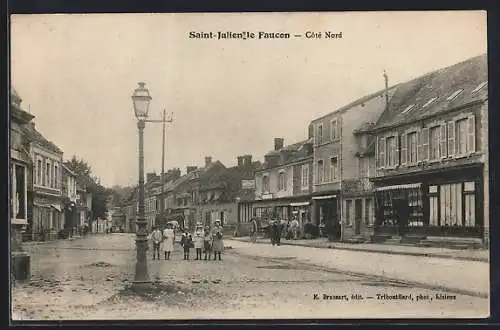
451,205
470,204
433,206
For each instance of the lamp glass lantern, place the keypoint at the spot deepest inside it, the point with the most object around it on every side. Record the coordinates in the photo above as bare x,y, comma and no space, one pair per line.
141,99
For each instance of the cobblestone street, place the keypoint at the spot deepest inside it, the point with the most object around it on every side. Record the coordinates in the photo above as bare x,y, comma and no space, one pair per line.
85,279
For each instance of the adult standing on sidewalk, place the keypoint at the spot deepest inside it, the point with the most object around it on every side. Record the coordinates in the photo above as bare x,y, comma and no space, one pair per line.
169,239
157,238
253,231
217,242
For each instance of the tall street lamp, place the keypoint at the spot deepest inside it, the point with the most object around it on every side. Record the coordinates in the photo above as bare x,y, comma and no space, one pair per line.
141,100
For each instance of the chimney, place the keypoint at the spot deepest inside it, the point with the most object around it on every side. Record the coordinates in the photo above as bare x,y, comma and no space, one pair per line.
190,169
386,80
208,161
247,160
240,161
278,143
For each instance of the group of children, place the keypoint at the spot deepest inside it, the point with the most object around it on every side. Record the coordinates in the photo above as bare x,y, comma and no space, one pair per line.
208,242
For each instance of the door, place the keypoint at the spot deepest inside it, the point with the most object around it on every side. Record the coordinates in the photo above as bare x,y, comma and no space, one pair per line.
358,215
400,207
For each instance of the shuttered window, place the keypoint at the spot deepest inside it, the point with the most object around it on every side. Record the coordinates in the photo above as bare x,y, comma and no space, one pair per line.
425,144
443,141
451,139
381,152
404,148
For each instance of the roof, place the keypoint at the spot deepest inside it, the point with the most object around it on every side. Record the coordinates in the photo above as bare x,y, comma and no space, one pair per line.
359,101
417,96
295,152
37,137
68,170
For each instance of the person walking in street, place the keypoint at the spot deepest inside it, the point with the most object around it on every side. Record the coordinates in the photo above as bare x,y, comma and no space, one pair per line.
207,246
169,239
217,242
198,244
253,231
157,238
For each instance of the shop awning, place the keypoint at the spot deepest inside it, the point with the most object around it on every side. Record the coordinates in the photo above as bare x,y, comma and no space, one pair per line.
57,207
325,197
299,204
399,187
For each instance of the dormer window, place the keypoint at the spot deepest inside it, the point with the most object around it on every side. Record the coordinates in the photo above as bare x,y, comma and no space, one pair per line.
454,95
429,102
479,87
408,108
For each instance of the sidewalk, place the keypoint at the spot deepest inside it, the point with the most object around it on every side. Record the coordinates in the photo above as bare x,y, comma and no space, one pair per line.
470,255
451,275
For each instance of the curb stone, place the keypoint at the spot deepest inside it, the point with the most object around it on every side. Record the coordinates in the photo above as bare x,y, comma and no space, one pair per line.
415,254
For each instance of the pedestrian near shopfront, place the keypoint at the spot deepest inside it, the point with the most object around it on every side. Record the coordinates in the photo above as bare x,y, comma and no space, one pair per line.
187,244
207,242
217,241
253,231
156,237
198,244
169,239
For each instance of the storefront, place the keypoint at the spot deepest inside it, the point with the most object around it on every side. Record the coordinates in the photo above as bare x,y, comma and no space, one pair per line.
325,213
47,219
446,203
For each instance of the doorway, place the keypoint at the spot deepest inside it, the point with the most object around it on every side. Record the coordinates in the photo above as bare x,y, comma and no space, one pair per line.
358,216
400,207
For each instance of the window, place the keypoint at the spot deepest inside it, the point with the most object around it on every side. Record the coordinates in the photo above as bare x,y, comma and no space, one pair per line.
369,212
282,181
391,151
434,142
470,204
429,102
451,204
335,129
433,206
320,171
39,172
305,175
408,108
265,184
319,134
412,144
348,211
333,168
47,174
481,85
454,95
461,136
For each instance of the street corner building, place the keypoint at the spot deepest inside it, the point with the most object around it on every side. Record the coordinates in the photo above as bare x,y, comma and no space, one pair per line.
431,177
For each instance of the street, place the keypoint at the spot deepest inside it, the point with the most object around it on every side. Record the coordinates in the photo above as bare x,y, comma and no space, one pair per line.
86,278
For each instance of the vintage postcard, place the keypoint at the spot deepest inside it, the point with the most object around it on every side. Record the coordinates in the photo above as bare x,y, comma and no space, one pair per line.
209,166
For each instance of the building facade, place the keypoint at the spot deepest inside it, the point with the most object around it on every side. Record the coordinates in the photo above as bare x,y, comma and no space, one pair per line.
336,165
70,216
432,158
20,169
284,182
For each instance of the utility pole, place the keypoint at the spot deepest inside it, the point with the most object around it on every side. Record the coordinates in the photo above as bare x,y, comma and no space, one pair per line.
162,198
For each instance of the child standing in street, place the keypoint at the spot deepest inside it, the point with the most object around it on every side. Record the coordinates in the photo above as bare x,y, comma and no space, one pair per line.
207,246
187,243
198,245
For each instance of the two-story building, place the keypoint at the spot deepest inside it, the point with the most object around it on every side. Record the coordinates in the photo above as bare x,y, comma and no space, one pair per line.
20,168
432,157
83,206
45,200
69,201
283,183
338,167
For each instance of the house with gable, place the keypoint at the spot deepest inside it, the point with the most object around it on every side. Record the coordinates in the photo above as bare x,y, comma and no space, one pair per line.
342,196
431,176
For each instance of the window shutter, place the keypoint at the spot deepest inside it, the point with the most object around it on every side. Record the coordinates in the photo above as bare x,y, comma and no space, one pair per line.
471,134
339,127
443,139
451,139
381,153
395,151
425,143
420,143
404,148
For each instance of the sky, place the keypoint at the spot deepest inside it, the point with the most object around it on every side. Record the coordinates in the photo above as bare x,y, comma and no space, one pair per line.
76,74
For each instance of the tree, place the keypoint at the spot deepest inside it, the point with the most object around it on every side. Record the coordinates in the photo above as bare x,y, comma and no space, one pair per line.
86,178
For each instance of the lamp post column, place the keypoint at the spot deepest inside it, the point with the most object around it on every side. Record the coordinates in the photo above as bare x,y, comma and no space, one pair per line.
141,268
